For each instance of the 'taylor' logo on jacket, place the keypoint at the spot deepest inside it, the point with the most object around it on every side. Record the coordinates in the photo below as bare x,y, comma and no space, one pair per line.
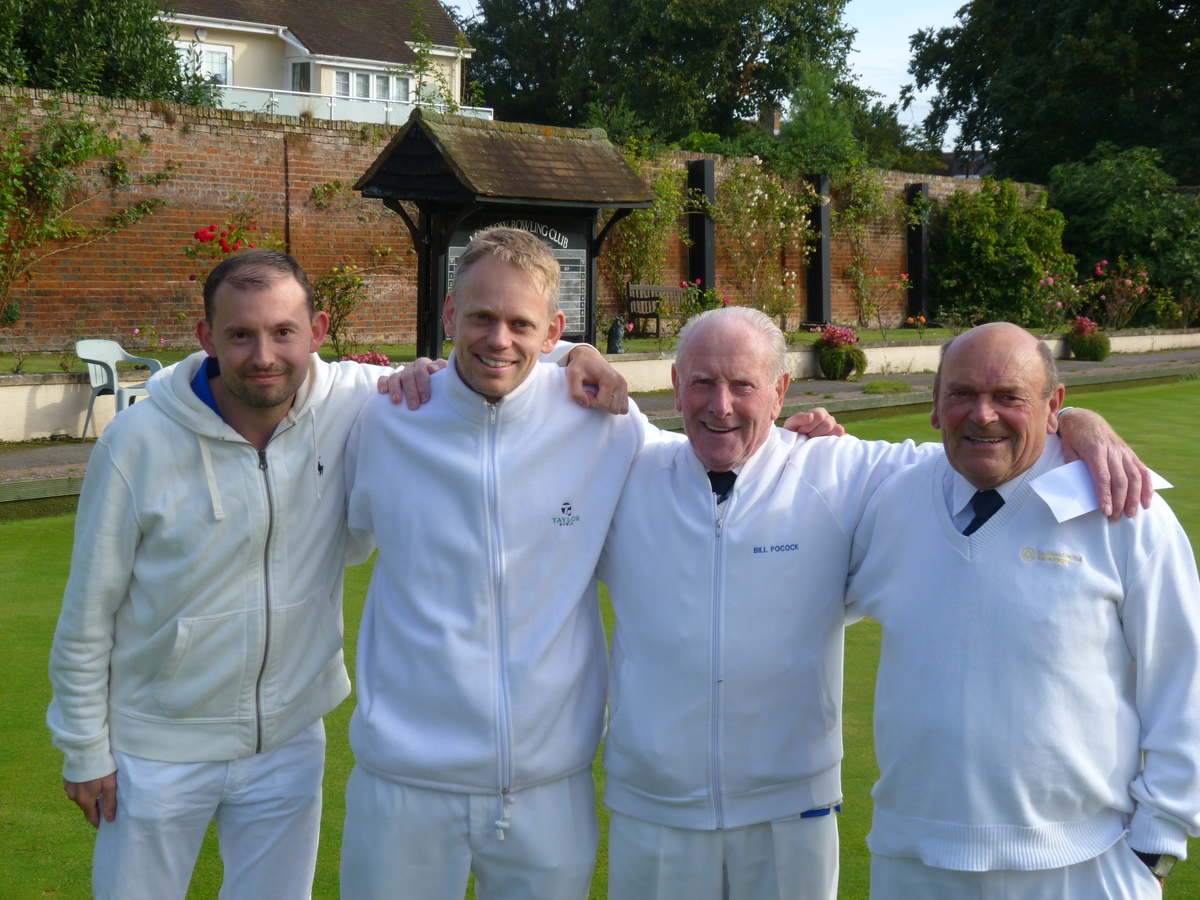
566,518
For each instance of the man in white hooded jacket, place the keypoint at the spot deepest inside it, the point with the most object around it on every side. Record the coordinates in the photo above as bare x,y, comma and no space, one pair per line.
200,640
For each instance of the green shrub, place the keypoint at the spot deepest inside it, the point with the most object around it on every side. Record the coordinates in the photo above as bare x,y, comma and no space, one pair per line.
988,251
1090,347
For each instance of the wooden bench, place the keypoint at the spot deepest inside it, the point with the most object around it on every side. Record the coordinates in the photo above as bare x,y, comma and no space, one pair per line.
644,302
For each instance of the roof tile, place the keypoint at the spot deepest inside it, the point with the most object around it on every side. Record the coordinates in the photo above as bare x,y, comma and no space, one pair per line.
361,29
491,161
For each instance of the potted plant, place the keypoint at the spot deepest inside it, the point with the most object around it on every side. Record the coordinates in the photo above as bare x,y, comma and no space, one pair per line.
1086,341
837,354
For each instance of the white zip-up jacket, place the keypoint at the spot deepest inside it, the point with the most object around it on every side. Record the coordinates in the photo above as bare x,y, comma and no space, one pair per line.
726,683
481,658
202,619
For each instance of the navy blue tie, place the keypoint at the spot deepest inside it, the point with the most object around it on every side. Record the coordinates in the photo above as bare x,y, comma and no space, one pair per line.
722,484
985,504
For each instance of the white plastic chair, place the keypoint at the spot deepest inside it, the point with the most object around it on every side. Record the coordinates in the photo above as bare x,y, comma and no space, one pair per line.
102,358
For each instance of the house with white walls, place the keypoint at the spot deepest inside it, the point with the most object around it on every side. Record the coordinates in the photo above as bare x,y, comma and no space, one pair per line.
357,60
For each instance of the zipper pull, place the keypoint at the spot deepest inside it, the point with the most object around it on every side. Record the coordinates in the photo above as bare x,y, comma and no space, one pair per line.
262,460
492,409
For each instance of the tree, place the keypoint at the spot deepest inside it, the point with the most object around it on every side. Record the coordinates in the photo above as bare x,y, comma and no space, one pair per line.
1122,204
835,126
703,65
113,48
1043,81
522,48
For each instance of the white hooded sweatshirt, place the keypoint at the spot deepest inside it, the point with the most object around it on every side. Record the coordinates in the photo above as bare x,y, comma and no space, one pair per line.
202,619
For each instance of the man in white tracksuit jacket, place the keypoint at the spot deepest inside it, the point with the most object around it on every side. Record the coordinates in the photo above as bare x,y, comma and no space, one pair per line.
482,657
724,744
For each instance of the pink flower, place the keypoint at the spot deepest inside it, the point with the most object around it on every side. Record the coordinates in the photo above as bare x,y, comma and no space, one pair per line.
1140,289
1058,305
629,328
137,331
1049,281
1104,262
1128,282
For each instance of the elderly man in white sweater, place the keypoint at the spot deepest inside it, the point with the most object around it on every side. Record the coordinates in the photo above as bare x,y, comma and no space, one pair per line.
1037,712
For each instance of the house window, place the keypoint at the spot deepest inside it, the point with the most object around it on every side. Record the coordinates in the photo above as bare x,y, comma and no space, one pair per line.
216,65
302,77
372,85
213,62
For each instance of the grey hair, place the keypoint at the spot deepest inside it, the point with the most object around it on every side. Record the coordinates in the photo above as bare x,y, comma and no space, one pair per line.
773,338
1049,367
526,251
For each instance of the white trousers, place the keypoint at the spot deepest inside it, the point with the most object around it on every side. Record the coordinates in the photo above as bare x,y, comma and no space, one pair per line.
417,844
794,858
1116,874
268,812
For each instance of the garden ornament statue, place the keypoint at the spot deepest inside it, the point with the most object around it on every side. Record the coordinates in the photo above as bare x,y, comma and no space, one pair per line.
616,336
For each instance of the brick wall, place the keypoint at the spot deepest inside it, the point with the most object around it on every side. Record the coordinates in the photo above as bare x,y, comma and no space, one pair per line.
888,246
140,276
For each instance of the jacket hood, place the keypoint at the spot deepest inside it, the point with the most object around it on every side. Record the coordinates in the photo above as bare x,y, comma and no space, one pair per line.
172,390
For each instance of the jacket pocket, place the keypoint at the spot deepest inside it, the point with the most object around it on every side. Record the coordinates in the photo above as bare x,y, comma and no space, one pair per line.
309,637
204,673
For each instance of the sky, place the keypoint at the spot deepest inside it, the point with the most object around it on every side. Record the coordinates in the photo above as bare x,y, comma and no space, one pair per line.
881,45
881,60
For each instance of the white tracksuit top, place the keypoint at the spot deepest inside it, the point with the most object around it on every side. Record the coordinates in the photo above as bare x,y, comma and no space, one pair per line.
726,684
482,663
202,620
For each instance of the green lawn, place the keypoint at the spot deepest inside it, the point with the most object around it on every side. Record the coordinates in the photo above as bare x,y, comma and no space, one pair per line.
45,845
